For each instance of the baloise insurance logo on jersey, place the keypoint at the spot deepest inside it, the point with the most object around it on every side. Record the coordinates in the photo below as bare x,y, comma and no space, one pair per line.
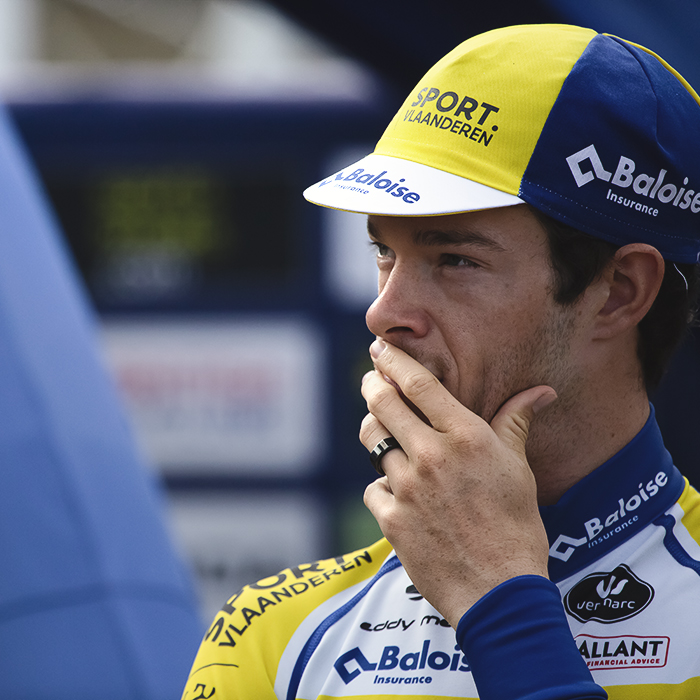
622,519
608,597
396,665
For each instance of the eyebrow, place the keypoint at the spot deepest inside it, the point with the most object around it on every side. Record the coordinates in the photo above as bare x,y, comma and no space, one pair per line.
437,237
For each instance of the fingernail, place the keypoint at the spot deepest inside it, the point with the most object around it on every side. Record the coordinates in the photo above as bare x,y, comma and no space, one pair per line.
367,376
543,402
377,348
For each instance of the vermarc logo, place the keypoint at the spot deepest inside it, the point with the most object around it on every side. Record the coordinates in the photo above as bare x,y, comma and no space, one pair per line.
586,166
608,597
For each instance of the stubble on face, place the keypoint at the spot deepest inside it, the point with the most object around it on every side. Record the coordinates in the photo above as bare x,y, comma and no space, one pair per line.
541,357
491,359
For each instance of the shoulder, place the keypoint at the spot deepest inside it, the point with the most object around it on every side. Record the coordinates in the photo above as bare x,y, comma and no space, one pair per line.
292,593
689,502
251,631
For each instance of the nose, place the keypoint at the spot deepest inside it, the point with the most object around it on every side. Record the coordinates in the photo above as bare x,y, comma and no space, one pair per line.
399,310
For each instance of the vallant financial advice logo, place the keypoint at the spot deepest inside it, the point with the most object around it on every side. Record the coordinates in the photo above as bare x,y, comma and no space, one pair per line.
623,651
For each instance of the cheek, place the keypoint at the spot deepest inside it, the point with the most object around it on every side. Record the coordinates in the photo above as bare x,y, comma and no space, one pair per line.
534,351
499,347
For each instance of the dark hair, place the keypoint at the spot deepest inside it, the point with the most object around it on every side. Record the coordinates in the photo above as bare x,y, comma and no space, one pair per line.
578,259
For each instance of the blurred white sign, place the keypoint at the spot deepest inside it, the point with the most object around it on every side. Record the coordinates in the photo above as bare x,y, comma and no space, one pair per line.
350,266
212,397
234,540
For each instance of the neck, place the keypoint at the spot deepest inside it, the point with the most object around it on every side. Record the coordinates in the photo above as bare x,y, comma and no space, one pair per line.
581,431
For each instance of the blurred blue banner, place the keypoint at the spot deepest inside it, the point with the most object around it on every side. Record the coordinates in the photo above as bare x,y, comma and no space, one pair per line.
668,28
94,602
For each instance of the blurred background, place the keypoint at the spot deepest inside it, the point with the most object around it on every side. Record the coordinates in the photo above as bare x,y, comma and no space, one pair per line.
173,139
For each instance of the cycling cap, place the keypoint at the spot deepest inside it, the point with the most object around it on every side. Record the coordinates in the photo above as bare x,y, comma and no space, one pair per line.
595,131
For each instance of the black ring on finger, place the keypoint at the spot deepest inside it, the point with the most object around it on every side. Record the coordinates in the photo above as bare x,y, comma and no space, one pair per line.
376,455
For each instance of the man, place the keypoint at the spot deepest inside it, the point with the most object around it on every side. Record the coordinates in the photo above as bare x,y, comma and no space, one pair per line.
535,210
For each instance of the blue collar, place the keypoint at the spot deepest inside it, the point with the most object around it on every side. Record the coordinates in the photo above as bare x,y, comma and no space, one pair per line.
612,503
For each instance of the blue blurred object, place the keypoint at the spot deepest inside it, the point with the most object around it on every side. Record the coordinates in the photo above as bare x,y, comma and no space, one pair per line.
94,602
667,28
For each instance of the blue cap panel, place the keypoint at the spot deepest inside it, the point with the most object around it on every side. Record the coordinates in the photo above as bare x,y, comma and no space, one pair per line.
616,157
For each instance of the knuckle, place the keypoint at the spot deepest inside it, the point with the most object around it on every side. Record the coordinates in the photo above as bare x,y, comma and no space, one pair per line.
471,441
367,497
417,384
389,520
390,523
520,425
426,457
381,398
368,382
367,427
428,461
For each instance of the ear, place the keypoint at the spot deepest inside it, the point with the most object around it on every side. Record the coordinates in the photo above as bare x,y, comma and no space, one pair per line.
631,282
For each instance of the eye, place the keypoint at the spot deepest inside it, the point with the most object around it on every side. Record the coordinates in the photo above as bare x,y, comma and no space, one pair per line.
451,260
381,250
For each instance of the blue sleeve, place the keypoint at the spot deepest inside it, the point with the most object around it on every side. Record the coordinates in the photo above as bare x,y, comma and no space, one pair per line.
519,646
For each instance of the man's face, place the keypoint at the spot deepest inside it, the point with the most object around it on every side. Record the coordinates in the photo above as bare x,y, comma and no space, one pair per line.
470,297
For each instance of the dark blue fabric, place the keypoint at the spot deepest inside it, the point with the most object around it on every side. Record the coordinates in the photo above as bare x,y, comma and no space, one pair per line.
639,111
94,603
521,626
670,29
611,494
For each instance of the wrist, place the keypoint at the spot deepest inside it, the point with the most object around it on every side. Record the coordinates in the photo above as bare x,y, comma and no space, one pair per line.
518,643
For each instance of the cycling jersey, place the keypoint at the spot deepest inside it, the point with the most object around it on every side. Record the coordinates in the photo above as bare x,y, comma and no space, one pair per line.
619,613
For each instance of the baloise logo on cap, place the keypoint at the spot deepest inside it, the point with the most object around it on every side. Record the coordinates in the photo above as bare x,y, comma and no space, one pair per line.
359,181
587,166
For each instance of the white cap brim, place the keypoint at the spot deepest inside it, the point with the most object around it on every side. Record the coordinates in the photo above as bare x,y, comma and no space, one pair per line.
390,186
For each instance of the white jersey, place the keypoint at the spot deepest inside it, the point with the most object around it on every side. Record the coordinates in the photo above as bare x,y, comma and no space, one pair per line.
621,614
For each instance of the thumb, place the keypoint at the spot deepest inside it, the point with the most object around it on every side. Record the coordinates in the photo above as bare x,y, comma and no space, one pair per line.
512,422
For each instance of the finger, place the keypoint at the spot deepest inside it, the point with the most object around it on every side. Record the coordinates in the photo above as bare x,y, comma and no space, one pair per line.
390,409
513,420
372,431
421,387
379,497
376,438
